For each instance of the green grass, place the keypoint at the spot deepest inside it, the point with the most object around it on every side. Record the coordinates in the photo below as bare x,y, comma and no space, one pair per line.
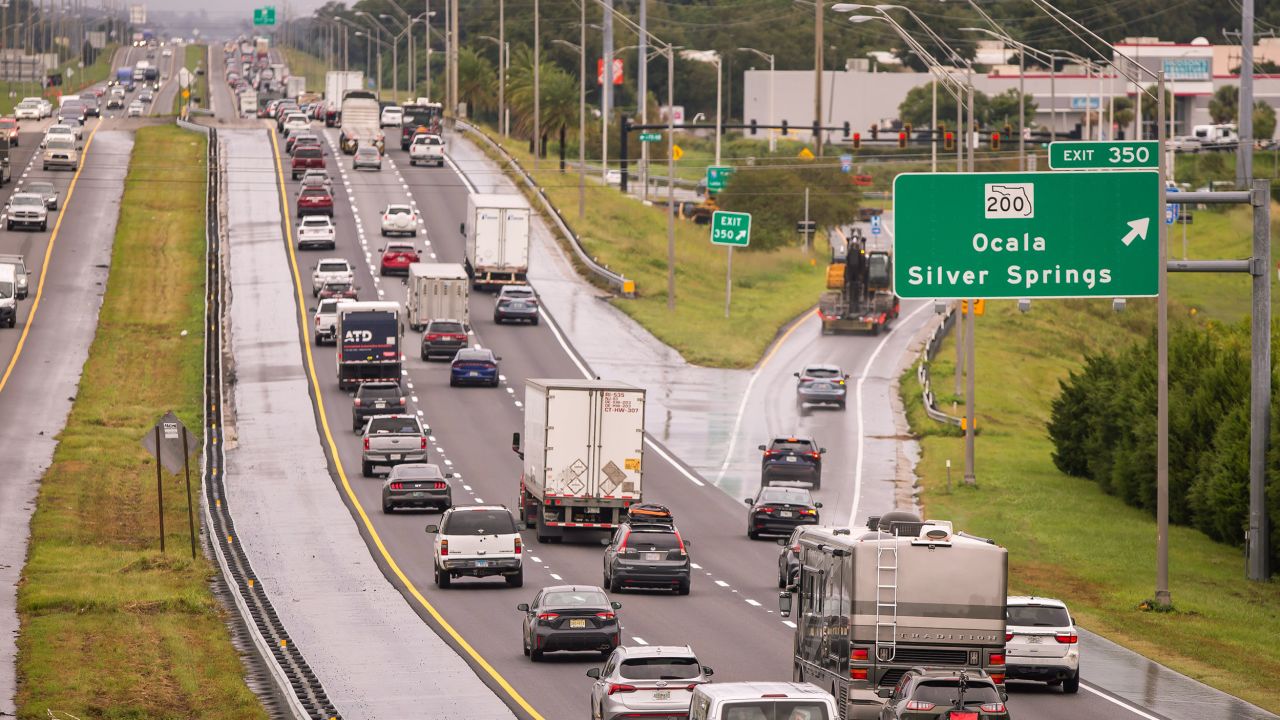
83,77
308,66
196,56
1066,538
110,627
769,288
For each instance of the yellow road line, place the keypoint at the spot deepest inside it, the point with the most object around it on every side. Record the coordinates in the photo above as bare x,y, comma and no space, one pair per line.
342,475
44,267
783,340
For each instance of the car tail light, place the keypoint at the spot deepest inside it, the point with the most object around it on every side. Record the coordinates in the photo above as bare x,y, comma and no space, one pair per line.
763,509
519,545
397,486
623,544
772,453
606,615
996,659
366,443
438,485
858,674
444,547
619,688
808,512
919,705
814,455
681,541
358,401
401,399
858,654
997,678
1066,638
424,444
993,707
432,337
692,686
1008,636
548,617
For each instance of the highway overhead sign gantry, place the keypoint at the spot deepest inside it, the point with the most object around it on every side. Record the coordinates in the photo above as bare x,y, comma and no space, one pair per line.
1104,155
1026,235
730,228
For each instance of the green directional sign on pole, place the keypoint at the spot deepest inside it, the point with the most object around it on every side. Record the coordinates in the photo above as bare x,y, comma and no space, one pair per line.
1105,155
650,136
264,15
1026,235
730,228
718,177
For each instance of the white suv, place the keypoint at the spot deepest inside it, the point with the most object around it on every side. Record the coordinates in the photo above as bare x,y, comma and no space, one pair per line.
1041,642
478,541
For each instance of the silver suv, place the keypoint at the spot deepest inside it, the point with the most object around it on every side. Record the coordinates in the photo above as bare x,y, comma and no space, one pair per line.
652,680
1041,642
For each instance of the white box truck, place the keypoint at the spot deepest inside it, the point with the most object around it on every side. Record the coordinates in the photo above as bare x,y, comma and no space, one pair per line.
497,233
248,103
437,291
583,455
295,85
336,84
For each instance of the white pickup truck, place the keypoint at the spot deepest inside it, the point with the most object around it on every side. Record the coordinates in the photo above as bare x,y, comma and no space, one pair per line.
427,149
325,321
331,270
478,541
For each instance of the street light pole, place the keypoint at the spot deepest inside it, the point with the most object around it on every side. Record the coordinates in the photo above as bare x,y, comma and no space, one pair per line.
537,89
773,140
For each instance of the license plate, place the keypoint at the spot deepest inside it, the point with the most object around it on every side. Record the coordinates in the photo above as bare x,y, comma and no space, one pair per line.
419,494
791,458
517,306
821,386
1034,639
380,404
786,513
661,694
593,509
577,623
482,563
963,715
653,555
473,373
395,457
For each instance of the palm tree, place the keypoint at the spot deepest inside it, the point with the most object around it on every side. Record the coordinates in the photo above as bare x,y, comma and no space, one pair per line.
477,81
559,95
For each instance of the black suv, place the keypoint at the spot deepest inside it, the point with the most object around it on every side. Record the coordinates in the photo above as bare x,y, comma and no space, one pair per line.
443,338
376,398
647,555
780,509
792,458
931,693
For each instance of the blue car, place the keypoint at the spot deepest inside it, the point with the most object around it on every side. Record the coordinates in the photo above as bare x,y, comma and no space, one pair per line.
474,366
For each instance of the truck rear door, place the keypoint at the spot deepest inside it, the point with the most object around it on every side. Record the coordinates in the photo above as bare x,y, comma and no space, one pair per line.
488,238
515,240
619,443
568,448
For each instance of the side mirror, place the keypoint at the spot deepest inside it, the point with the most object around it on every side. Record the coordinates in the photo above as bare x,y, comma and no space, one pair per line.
515,444
784,604
760,447
708,671
606,542
523,607
783,541
795,374
594,673
817,504
462,228
1004,695
449,475
433,529
615,605
846,376
687,543
822,451
311,309
497,357
884,692
748,501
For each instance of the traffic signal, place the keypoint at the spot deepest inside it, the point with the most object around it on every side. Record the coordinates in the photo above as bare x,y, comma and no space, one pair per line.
857,141
784,127
875,132
902,139
907,127
995,141
948,141
753,126
1008,130
846,128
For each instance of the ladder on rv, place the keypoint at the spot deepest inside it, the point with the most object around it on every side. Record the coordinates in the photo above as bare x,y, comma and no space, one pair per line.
886,597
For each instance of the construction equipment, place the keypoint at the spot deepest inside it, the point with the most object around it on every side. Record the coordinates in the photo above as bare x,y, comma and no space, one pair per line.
859,295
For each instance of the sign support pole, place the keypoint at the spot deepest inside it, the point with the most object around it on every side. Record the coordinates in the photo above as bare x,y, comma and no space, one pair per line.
1163,598
1258,540
159,488
970,474
186,466
728,282
806,221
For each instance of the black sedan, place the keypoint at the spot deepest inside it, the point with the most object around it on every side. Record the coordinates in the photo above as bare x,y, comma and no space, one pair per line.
419,485
779,509
570,617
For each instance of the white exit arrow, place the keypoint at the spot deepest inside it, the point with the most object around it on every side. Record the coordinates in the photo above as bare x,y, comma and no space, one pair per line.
1137,228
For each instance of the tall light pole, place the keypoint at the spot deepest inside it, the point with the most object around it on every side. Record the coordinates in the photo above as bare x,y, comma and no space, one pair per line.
582,115
379,29
713,58
773,140
502,79
395,57
537,88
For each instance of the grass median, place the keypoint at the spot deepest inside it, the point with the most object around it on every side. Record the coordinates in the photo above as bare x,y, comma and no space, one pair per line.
1067,538
111,627
195,57
769,288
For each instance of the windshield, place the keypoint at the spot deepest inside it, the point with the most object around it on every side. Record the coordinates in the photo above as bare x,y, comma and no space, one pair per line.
394,426
6,290
378,391
1038,616
27,200
316,221
660,668
802,446
446,327
821,372
480,522
584,598
780,495
652,541
315,193
517,293
416,471
398,210
327,306
333,267
60,144
945,693
306,151
473,356
771,709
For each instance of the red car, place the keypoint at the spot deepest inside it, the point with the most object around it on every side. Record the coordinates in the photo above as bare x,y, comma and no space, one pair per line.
396,257
338,290
307,157
315,201
9,126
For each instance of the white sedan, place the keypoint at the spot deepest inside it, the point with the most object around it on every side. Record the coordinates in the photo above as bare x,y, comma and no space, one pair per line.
392,116
27,111
63,131
399,220
135,109
316,231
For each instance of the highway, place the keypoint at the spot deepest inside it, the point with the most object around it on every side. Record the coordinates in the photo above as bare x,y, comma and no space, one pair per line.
730,619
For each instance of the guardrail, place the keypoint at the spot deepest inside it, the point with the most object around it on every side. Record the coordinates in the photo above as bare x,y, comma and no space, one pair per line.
624,286
929,352
295,685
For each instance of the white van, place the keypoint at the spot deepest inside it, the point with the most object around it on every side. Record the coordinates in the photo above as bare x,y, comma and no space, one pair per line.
8,296
761,701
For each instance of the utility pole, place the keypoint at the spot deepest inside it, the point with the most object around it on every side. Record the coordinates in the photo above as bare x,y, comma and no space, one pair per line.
427,47
1244,160
818,7
1163,598
606,89
582,112
502,65
642,85
537,89
453,66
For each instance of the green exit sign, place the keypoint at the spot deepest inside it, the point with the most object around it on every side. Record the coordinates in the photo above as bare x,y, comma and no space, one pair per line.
1105,155
730,228
264,15
1026,235
650,136
718,177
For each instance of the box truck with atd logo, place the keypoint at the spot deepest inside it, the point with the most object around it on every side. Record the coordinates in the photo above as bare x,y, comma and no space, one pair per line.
369,336
583,455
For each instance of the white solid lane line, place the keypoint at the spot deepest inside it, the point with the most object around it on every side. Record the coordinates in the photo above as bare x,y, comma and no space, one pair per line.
1119,703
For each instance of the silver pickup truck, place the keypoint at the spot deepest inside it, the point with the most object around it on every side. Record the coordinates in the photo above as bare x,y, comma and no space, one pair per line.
331,270
390,440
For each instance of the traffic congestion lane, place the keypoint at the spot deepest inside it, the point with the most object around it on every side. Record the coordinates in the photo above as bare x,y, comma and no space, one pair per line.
38,383
472,430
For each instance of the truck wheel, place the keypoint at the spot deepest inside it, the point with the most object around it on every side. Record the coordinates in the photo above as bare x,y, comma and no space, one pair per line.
752,534
683,588
615,585
366,469
387,507
44,225
1071,685
442,579
516,580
